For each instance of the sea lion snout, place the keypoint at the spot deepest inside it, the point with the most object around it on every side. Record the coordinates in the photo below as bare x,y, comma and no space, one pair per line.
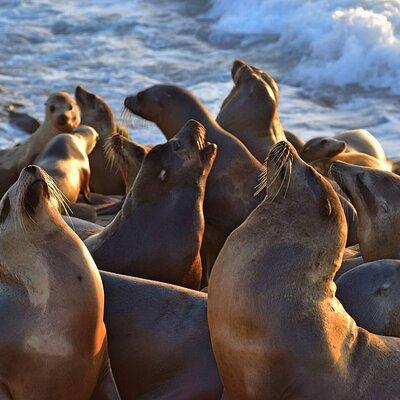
130,102
31,168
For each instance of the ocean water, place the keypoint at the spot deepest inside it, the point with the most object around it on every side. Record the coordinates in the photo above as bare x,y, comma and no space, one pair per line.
337,62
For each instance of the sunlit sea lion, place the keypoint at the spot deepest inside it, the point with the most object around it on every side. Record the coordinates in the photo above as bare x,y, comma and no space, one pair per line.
65,159
158,233
96,113
276,327
62,115
376,197
250,111
232,181
53,341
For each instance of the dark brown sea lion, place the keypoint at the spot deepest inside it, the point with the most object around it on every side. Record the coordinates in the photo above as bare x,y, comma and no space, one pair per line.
23,121
370,293
62,115
274,338
250,111
295,140
179,365
375,195
65,159
358,140
53,341
96,113
158,233
127,155
232,181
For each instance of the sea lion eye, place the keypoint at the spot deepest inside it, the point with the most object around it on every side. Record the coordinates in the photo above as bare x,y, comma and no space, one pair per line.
323,142
177,145
52,108
5,210
70,107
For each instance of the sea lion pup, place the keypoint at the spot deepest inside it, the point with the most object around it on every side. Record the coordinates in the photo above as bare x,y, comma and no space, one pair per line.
127,155
375,196
53,340
180,364
273,337
65,159
158,233
96,113
62,115
358,141
250,112
370,293
230,189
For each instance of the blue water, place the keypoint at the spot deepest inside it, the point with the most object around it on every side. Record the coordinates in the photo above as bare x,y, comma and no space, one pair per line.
337,62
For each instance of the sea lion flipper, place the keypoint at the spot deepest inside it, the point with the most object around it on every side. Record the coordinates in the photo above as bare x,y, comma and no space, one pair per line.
4,394
106,388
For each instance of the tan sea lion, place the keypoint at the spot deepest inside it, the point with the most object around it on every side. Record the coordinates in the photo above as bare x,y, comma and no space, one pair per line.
127,155
375,195
62,115
370,293
250,111
358,141
158,233
65,159
53,342
323,165
179,364
232,181
96,113
273,337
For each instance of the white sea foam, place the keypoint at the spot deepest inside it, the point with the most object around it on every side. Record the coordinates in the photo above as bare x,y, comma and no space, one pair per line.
327,42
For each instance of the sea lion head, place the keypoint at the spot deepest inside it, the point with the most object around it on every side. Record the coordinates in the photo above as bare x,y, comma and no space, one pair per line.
322,147
186,159
168,106
62,112
95,112
128,156
32,201
303,197
252,102
89,135
375,195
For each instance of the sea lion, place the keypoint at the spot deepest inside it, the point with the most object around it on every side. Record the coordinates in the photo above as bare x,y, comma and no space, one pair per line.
362,159
180,364
375,195
22,121
62,115
127,155
250,111
232,181
82,228
358,140
370,293
65,159
273,337
297,141
53,342
96,113
158,233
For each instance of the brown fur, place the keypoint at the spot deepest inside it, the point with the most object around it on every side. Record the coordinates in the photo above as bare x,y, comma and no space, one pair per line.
276,327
